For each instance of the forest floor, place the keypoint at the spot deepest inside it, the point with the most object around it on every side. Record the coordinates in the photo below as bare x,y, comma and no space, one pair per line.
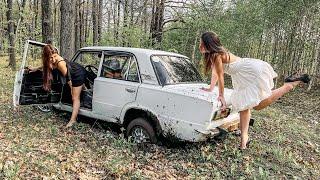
33,145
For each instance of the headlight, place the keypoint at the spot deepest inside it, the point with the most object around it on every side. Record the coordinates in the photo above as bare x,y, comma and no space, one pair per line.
221,114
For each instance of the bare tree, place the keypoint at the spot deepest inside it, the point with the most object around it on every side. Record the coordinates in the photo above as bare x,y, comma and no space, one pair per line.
11,49
95,22
100,9
156,27
47,29
67,28
77,25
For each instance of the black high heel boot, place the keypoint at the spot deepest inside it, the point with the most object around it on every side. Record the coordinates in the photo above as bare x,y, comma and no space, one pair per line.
297,77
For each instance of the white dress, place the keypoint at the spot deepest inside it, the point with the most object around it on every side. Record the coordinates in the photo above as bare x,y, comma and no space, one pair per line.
252,80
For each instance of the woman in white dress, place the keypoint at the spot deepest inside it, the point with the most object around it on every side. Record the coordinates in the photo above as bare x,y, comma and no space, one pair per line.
252,80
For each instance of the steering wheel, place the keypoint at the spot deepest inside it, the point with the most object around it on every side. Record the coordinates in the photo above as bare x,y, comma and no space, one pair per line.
91,69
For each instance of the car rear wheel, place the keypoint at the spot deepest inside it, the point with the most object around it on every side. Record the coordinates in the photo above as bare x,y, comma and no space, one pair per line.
141,131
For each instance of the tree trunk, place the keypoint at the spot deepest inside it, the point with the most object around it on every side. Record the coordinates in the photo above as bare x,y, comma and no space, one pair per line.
118,22
131,13
95,22
82,24
125,23
2,34
100,7
157,21
36,8
47,29
109,20
54,23
11,49
77,26
86,28
67,29
145,16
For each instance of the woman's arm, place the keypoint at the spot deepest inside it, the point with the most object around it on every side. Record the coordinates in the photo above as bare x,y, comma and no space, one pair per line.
220,74
214,79
218,66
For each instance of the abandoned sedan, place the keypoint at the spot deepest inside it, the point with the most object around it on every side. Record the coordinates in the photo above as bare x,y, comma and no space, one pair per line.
150,93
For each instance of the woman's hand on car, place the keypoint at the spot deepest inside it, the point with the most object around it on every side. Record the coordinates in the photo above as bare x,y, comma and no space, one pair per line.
32,69
206,89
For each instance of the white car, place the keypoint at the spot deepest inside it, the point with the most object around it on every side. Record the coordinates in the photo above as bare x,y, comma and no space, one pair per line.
156,94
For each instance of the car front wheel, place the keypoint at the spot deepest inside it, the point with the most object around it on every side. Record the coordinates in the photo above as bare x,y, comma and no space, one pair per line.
45,108
141,131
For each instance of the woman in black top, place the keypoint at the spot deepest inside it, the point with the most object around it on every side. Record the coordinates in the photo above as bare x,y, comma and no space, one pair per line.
74,73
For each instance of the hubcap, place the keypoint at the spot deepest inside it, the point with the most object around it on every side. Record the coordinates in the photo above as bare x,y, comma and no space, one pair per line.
44,108
139,135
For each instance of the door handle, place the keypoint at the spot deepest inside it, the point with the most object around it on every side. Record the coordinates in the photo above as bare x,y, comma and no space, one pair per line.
130,90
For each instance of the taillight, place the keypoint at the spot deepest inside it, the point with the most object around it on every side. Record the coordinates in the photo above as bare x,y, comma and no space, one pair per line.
221,114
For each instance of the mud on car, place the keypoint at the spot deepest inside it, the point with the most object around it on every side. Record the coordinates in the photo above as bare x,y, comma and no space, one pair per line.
155,93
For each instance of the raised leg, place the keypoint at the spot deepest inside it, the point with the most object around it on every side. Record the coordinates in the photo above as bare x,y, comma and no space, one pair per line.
244,127
75,105
276,94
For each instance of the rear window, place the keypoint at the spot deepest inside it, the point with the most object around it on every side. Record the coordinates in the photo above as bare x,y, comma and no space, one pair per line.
175,70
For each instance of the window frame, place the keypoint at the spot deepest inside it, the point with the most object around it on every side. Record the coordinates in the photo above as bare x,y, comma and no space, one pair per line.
156,72
120,53
88,51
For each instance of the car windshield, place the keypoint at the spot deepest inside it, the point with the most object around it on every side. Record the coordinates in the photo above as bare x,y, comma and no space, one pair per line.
174,70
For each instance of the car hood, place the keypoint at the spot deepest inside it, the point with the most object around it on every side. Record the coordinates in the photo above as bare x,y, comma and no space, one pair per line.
193,90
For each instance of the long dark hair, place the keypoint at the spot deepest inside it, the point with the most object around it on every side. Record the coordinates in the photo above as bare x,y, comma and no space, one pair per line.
48,51
213,46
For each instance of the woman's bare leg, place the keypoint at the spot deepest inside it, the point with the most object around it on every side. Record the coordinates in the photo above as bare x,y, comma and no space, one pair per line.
276,94
244,127
76,91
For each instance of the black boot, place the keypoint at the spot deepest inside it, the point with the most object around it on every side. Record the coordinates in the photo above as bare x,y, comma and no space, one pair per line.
296,77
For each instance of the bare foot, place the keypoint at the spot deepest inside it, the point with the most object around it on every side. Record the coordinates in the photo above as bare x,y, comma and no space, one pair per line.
70,123
292,85
244,142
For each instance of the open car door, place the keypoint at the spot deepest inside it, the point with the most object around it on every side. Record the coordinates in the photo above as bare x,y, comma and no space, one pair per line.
28,86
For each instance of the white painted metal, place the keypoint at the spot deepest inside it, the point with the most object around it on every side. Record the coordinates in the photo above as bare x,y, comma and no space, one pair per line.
19,73
110,95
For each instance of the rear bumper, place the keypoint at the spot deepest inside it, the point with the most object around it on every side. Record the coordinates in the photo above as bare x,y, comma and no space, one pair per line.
229,124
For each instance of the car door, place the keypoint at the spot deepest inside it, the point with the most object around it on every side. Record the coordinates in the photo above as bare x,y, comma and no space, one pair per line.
113,91
90,60
28,86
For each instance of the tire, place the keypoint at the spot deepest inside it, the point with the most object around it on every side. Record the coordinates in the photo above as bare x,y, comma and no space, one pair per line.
141,131
45,108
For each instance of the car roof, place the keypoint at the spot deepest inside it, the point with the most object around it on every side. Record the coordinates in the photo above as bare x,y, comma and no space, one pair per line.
148,52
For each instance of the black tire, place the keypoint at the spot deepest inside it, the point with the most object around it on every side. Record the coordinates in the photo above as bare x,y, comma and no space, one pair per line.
141,124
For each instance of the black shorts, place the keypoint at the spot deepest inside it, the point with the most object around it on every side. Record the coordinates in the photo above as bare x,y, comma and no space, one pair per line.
78,74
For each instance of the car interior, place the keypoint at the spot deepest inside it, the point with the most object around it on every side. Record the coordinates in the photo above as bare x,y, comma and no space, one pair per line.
32,91
122,67
90,61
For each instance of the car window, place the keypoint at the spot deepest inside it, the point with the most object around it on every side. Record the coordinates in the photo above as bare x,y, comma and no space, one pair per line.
34,56
90,60
133,74
122,67
174,70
